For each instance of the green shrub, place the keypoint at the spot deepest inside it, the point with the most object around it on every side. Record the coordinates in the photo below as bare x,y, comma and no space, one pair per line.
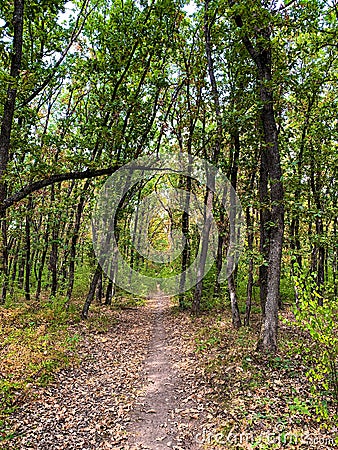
321,350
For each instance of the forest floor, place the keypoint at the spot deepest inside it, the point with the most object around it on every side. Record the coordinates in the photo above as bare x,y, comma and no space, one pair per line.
158,378
131,390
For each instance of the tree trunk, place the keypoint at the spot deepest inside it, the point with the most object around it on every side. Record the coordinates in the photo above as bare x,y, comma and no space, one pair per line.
53,261
318,253
15,265
109,293
264,217
236,319
250,235
99,290
261,55
28,250
42,260
91,293
268,340
133,253
21,274
5,135
204,251
73,244
216,152
186,249
320,261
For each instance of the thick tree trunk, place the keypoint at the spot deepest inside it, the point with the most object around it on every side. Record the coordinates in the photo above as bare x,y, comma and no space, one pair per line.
40,271
219,256
133,255
5,136
264,217
232,175
268,339
4,257
260,53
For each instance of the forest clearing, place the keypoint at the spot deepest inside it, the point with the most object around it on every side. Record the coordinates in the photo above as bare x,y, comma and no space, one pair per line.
168,224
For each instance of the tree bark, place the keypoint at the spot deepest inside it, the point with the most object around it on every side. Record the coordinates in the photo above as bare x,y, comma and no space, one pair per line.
268,339
99,290
42,263
186,249
204,251
28,250
264,231
13,274
53,259
5,134
216,152
261,55
57,178
91,293
236,318
249,288
73,244
109,293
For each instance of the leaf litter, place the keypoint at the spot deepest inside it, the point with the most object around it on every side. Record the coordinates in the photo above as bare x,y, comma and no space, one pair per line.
130,391
158,379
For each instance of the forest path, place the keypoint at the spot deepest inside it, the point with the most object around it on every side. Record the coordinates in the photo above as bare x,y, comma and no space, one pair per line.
135,388
156,422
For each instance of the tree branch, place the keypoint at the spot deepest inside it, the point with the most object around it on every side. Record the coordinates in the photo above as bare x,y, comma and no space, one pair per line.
57,178
90,173
247,42
283,7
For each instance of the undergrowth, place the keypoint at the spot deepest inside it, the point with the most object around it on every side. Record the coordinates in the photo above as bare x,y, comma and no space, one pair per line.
37,339
261,396
35,343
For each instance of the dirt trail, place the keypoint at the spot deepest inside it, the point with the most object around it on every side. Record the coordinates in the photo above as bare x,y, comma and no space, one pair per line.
154,420
132,390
